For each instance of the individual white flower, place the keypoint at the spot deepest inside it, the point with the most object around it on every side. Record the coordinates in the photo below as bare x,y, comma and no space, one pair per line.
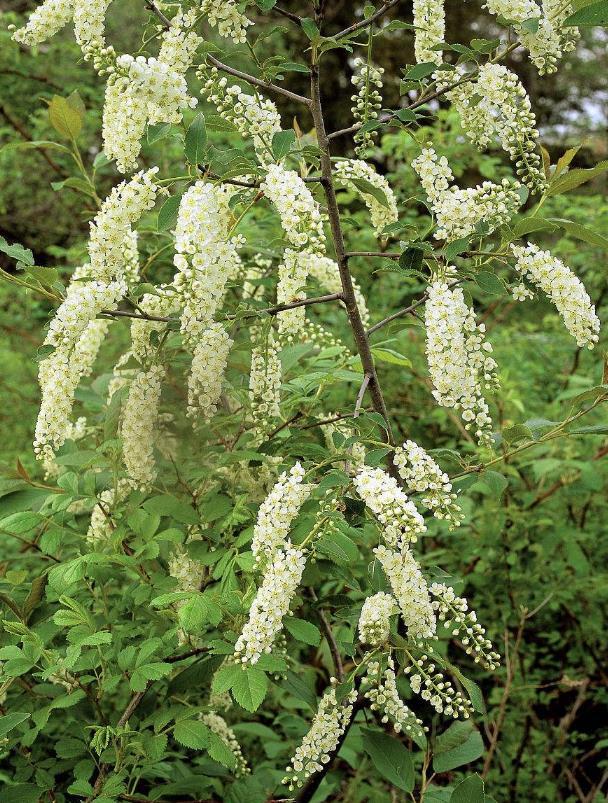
138,429
265,379
459,212
277,513
209,362
45,21
299,212
253,116
410,590
453,612
225,15
327,727
367,100
563,288
422,474
326,273
458,356
348,171
401,522
219,726
429,22
521,293
380,688
375,619
433,687
271,604
496,106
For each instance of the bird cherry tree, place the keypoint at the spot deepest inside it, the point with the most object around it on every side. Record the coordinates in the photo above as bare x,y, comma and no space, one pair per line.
225,580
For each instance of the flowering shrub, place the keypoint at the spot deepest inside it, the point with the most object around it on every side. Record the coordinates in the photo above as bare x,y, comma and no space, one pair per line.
218,545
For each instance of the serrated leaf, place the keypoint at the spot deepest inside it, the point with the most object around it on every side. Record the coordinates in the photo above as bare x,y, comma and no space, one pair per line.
471,790
17,252
303,631
64,117
581,232
249,688
594,14
459,745
10,721
195,142
220,752
420,71
167,214
390,757
192,733
282,142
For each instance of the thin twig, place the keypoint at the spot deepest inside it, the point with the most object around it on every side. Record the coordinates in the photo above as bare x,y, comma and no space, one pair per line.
251,79
361,394
357,26
289,14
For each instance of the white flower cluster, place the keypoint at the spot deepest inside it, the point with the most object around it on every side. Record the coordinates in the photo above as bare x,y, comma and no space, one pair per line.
205,256
253,116
459,212
356,450
367,100
179,43
429,22
401,522
350,171
428,682
90,25
293,272
188,572
410,590
375,619
219,726
227,18
271,604
564,289
328,725
326,273
299,212
140,91
277,512
101,525
496,105
459,358
45,21
265,379
138,428
162,303
551,40
209,362
76,334
110,232
380,688
453,612
422,474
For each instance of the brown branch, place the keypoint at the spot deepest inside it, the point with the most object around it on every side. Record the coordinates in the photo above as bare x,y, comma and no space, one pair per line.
354,316
381,254
251,79
289,14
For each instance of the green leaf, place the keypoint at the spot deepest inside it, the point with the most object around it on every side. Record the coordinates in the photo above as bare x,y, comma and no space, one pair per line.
192,733
22,793
471,790
16,251
581,232
456,247
574,178
67,573
494,481
148,672
419,71
65,117
304,631
390,757
195,142
249,688
389,355
10,721
517,432
490,283
167,505
310,29
220,752
198,612
167,214
411,258
282,142
594,14
459,744
367,188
